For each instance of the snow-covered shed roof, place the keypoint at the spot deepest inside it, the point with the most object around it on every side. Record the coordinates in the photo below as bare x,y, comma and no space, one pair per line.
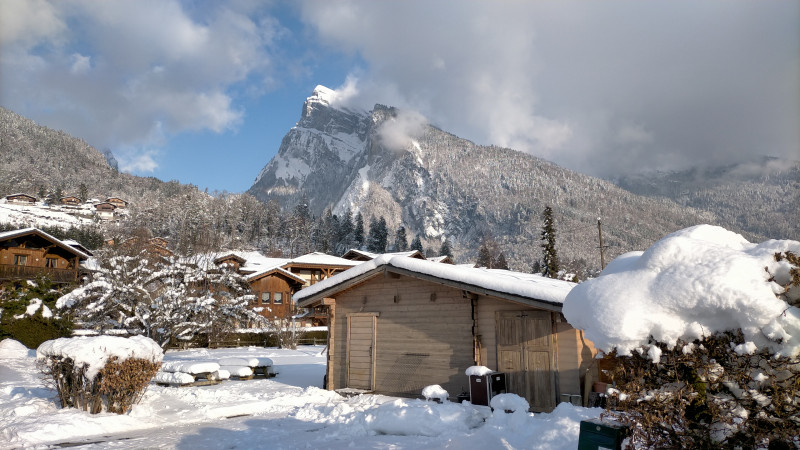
7,235
530,289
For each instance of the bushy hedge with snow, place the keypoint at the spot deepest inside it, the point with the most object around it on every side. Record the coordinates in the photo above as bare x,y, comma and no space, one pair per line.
100,373
28,313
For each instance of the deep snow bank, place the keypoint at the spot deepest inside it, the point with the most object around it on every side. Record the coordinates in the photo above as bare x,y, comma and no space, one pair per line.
690,284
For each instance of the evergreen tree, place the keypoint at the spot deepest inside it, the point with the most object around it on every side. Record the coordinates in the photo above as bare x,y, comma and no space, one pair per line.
300,229
445,249
416,244
551,265
484,256
501,262
400,240
378,235
83,192
345,233
358,233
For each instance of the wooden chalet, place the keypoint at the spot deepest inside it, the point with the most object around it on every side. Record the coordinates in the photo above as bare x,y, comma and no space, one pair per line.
21,199
273,290
104,210
398,324
118,202
27,253
72,201
275,280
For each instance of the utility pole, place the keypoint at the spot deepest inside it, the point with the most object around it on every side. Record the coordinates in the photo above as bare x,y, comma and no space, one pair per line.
602,248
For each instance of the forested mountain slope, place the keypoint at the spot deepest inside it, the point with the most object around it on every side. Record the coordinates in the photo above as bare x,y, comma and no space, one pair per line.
761,196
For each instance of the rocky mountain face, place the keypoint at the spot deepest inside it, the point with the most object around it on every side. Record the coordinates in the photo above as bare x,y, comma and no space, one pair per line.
383,162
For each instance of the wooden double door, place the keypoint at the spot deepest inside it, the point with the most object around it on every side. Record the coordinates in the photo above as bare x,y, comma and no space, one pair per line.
525,354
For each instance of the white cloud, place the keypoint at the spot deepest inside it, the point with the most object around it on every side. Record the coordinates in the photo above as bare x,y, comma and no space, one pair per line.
137,160
28,22
398,132
579,82
81,64
130,74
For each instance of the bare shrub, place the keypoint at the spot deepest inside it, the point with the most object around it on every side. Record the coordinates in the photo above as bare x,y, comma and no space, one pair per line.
116,387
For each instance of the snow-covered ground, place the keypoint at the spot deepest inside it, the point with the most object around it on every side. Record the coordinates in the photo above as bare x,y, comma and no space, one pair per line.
286,412
39,215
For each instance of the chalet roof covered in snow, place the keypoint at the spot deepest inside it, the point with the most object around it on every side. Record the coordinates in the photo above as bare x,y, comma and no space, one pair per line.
7,235
363,255
526,288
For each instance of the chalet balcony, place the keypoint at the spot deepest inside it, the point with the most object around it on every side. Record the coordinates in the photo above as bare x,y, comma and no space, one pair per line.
12,272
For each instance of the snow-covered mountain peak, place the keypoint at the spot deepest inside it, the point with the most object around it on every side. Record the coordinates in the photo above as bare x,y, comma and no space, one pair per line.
322,94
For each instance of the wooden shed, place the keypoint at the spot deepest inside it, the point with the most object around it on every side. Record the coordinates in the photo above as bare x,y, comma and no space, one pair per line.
398,324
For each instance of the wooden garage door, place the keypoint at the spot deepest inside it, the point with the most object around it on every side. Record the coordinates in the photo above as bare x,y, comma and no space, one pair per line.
524,353
361,351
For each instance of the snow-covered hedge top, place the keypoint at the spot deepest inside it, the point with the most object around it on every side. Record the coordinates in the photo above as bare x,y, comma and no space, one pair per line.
532,286
11,349
435,391
96,350
478,371
509,402
690,284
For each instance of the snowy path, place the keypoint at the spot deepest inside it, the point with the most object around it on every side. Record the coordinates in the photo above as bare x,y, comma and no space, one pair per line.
289,411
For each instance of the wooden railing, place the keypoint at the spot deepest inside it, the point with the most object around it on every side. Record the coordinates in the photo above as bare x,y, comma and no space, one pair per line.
12,272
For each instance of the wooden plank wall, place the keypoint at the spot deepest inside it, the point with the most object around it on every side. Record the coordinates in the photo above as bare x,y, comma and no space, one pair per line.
421,340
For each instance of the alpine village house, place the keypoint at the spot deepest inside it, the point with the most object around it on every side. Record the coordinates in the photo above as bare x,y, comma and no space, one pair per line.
28,252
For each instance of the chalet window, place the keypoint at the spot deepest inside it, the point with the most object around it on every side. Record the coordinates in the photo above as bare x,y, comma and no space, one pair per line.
278,298
20,260
51,263
265,298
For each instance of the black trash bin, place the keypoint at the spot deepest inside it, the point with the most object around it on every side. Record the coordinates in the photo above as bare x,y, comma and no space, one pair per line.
483,387
599,434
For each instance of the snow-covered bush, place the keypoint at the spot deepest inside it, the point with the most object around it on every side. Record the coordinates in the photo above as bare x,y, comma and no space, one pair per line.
100,373
707,332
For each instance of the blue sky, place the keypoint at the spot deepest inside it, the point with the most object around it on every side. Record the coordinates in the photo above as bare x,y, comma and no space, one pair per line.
203,91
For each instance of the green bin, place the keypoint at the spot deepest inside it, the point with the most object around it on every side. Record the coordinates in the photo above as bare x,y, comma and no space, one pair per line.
597,434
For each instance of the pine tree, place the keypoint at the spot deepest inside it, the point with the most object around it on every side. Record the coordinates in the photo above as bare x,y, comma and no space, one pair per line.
484,257
549,255
83,192
345,233
501,262
400,240
378,235
416,244
445,249
358,233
